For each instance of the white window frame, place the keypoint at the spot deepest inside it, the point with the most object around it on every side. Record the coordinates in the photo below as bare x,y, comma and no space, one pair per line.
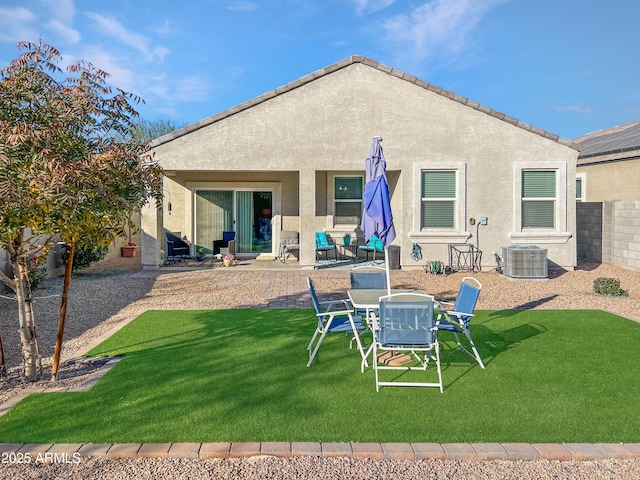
583,180
459,233
452,200
559,233
533,200
333,199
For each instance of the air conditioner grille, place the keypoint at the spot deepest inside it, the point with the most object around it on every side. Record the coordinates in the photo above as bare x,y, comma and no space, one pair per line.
525,261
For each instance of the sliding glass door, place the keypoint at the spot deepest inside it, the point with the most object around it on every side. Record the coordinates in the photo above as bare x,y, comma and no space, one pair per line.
247,212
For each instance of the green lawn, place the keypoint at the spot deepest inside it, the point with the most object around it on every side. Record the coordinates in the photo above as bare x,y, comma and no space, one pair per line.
240,375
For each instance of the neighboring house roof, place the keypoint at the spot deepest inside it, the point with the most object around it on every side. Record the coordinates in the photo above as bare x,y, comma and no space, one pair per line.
613,144
374,64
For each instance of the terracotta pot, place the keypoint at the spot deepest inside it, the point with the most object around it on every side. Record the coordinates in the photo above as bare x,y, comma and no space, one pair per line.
129,251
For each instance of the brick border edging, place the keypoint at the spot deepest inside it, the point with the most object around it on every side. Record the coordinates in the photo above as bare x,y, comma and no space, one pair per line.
357,451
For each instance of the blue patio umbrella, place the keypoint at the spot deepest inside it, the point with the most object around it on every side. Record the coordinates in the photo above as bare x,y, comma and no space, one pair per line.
377,218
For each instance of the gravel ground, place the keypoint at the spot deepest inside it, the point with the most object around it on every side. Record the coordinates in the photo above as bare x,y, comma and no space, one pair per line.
109,294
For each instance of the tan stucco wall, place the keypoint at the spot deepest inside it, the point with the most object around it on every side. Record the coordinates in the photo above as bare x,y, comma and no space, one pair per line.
611,181
327,125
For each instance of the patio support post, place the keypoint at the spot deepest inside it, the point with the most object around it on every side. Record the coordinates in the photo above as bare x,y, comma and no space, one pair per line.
307,208
151,226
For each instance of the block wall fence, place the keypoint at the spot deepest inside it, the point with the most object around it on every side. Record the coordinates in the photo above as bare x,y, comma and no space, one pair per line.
609,232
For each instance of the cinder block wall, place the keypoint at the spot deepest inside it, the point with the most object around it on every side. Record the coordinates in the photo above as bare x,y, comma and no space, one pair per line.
609,232
626,234
589,226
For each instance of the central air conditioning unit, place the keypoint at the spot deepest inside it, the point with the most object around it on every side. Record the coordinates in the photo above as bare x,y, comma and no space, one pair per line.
525,261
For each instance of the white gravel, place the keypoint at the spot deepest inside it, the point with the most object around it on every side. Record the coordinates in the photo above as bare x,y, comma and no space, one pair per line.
108,295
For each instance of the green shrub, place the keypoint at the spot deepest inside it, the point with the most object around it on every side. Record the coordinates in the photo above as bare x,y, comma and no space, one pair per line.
609,287
36,270
83,257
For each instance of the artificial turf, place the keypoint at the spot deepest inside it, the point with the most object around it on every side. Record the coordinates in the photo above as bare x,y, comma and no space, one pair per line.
240,375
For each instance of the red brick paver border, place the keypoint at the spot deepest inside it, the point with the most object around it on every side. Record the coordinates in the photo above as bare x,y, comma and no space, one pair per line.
359,451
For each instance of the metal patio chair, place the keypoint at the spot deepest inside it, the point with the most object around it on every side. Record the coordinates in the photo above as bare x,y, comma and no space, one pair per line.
323,245
406,324
458,317
331,320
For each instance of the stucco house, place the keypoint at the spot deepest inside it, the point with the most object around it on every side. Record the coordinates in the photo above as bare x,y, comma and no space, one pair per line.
294,159
608,208
608,166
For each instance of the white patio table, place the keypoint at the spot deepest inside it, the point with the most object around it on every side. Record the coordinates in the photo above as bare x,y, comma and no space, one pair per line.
369,301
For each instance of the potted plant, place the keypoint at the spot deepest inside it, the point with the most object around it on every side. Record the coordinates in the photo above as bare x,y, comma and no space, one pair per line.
200,254
346,239
228,260
129,250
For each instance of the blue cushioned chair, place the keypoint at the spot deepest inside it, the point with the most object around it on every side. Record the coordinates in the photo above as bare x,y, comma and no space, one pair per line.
374,245
323,245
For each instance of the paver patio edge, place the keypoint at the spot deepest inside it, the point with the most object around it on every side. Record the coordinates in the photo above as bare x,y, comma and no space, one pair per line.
361,451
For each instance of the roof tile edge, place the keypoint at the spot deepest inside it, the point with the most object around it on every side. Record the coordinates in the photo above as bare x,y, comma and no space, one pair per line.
371,63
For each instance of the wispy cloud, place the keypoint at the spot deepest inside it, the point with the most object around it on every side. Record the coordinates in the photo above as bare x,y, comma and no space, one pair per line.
370,6
438,29
573,109
243,7
120,75
62,10
193,88
111,27
16,23
67,33
164,29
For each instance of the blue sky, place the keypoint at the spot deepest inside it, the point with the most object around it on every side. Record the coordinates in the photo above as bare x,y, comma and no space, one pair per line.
566,66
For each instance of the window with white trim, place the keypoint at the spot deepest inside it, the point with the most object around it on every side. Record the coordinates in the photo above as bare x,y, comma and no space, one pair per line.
347,200
539,199
439,197
580,187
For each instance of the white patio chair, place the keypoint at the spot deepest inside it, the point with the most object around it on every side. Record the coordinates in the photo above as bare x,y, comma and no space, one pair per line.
406,324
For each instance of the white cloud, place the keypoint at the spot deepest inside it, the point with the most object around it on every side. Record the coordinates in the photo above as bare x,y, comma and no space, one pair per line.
16,25
243,7
111,27
68,34
120,76
438,28
194,88
164,29
62,10
574,109
370,6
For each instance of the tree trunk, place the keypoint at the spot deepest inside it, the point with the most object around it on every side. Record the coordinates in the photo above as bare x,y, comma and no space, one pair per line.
63,311
27,330
3,364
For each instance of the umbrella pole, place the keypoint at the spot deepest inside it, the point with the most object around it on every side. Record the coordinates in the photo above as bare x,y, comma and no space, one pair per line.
386,266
